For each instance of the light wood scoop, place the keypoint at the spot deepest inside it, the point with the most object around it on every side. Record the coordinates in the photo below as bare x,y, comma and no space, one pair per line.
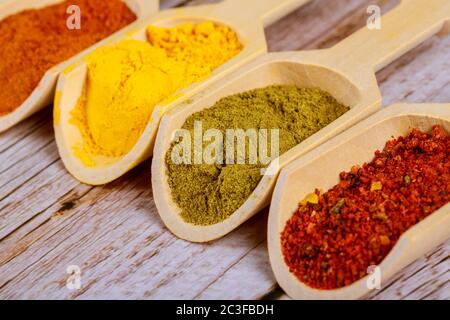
320,169
43,94
247,18
346,71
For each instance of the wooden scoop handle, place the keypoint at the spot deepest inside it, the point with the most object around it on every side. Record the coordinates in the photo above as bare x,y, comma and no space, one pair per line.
145,7
402,29
268,11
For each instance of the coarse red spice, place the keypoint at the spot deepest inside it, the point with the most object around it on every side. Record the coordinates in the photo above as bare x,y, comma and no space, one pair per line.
331,243
33,41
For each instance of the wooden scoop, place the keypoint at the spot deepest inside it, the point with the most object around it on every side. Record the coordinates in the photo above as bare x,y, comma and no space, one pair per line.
320,169
43,94
247,18
346,71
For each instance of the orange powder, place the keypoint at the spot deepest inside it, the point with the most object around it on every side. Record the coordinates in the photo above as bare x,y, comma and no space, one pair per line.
33,41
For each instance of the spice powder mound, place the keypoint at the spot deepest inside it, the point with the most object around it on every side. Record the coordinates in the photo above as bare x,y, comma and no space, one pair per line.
208,194
331,242
125,83
33,41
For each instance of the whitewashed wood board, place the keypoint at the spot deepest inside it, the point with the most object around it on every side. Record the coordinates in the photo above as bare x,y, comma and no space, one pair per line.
49,221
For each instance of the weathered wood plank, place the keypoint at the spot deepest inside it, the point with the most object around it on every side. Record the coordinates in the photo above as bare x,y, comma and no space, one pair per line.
34,197
321,24
426,278
19,132
420,76
251,275
49,221
412,78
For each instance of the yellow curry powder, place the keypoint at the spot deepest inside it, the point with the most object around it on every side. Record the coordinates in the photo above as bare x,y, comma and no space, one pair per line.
205,45
126,81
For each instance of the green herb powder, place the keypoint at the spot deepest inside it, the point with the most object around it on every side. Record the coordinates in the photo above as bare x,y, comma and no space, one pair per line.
209,194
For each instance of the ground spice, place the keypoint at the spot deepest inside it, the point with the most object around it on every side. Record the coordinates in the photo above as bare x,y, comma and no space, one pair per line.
209,194
206,45
33,41
126,81
407,181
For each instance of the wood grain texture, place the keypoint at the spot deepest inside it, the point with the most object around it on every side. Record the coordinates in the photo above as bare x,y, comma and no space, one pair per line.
44,92
49,221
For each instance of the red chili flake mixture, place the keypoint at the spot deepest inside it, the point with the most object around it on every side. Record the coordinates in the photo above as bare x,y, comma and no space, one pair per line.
332,239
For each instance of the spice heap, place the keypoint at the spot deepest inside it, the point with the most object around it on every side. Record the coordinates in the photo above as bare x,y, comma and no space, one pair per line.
206,45
125,82
208,194
334,237
33,41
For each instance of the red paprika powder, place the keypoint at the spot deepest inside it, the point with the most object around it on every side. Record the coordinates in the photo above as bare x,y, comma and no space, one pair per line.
332,240
33,41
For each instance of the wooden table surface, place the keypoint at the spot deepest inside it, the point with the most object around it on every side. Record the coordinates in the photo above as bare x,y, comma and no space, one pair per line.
49,221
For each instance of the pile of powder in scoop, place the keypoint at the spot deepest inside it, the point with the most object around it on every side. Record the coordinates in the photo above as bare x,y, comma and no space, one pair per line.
208,194
205,45
33,41
334,237
126,81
